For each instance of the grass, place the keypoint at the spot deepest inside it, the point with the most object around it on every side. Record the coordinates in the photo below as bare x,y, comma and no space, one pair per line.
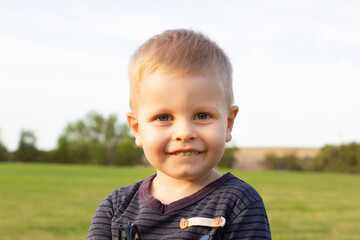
57,201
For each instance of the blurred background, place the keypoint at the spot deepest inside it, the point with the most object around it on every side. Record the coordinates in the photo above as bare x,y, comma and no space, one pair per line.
296,69
296,64
64,95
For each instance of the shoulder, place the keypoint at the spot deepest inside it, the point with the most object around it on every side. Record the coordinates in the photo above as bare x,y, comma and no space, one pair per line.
120,198
248,215
126,191
123,195
238,194
238,186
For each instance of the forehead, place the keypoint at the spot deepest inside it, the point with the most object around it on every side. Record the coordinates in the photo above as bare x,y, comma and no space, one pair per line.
163,88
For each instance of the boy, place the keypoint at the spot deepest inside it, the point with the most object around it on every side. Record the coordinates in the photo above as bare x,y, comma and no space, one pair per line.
181,99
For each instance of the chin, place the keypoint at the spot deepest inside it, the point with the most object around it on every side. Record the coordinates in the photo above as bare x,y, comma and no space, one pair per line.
188,174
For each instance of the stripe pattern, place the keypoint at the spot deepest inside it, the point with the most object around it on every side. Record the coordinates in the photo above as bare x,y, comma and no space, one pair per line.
227,197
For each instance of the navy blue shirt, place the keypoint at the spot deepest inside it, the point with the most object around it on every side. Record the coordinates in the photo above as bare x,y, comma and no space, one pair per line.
228,197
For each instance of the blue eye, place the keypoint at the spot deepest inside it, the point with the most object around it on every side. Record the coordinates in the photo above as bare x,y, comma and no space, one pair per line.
163,118
202,116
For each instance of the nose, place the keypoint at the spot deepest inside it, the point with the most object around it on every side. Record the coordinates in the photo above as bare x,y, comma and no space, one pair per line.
184,131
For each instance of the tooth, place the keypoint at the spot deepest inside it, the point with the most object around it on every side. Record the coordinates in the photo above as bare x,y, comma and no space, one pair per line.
186,153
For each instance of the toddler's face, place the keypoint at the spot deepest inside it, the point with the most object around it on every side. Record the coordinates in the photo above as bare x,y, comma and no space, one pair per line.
182,123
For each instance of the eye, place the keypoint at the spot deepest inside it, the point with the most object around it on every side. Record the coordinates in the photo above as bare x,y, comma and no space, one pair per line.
202,116
163,118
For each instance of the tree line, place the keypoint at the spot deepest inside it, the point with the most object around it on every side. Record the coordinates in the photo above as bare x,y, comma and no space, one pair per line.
334,158
95,139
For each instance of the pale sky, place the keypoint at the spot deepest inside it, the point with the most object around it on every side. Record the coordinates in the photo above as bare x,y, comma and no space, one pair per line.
296,64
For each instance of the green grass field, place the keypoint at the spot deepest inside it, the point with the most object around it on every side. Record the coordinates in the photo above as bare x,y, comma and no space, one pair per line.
57,201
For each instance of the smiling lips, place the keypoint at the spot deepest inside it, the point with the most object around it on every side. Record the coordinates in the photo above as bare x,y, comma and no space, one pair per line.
182,153
186,153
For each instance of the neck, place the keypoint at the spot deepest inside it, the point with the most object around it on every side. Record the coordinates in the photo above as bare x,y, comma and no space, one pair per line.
168,189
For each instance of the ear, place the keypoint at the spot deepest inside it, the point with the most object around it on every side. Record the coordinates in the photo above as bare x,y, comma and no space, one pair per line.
134,127
230,121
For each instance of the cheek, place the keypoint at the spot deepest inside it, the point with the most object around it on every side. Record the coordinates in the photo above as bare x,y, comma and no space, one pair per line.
215,138
215,133
152,140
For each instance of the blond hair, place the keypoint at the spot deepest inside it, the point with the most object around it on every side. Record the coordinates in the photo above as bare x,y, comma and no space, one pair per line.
184,52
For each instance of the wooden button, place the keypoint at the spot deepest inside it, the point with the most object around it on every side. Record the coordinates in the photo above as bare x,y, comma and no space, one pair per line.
218,221
184,223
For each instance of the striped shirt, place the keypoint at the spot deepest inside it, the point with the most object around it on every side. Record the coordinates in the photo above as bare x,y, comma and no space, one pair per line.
228,197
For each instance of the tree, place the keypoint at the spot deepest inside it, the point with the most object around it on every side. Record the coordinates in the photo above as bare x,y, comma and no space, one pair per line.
128,152
96,139
289,161
228,159
342,158
4,154
271,161
27,151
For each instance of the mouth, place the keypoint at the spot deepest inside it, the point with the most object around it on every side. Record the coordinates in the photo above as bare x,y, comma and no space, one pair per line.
181,154
185,152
